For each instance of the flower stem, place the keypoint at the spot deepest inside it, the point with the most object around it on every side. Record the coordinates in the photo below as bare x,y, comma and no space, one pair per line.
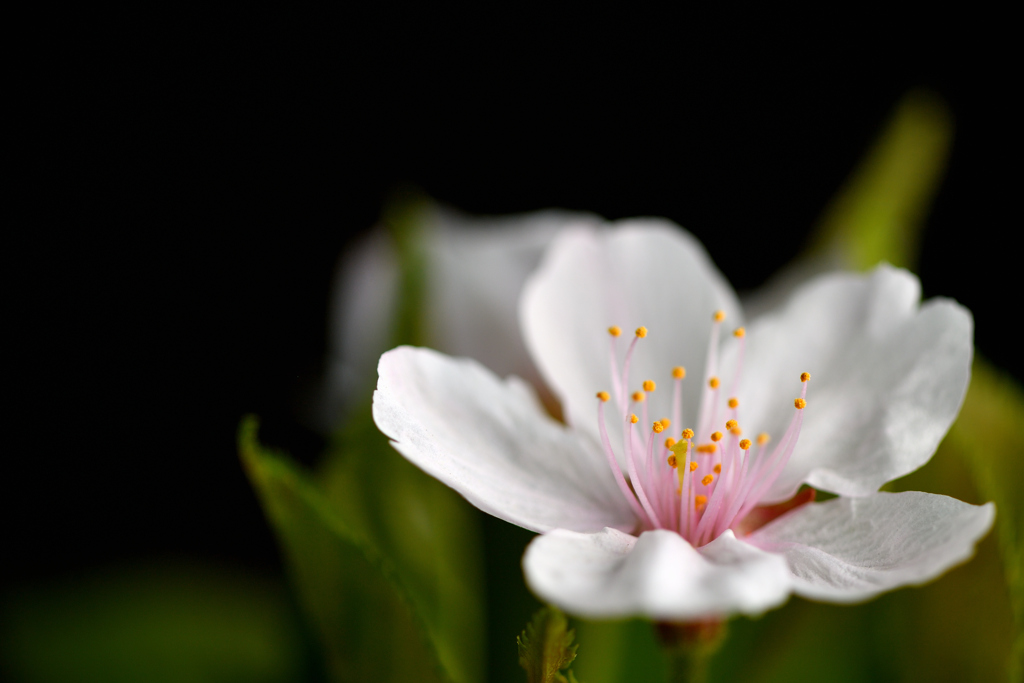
690,647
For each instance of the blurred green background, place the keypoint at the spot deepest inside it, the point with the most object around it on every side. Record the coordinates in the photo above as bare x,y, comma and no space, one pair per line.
156,537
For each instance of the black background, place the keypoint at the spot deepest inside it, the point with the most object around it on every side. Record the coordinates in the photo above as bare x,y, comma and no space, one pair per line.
191,181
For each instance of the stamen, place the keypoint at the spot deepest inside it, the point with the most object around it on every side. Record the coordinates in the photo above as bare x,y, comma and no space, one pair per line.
693,466
637,484
670,442
679,372
633,419
708,478
734,403
615,330
603,395
658,428
687,433
804,376
716,436
707,448
762,438
745,444
614,465
800,403
649,385
719,316
714,382
699,501
739,332
731,425
672,462
717,468
639,396
736,431
641,331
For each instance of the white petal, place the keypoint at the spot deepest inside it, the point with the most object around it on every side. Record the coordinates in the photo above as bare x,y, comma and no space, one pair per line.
887,378
491,441
851,549
476,271
644,272
659,575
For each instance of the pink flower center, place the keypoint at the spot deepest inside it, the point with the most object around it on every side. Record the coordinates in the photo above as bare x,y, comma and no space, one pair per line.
709,479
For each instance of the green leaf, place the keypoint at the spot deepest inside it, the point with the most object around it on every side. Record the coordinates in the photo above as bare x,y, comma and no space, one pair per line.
879,212
353,595
546,647
170,623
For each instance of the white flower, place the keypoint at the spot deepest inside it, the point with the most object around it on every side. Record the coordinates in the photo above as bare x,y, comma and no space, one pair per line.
626,533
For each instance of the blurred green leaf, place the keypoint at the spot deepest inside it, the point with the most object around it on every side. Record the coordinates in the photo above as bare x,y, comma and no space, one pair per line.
878,214
546,647
352,594
175,623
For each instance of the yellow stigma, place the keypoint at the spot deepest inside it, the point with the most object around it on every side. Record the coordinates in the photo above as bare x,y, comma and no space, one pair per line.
687,433
734,403
713,382
670,442
708,478
658,428
762,439
639,396
707,448
800,404
672,462
641,331
739,332
693,466
679,372
745,444
716,436
615,330
804,376
649,385
731,425
699,501
719,316
603,395
717,468
633,419
678,447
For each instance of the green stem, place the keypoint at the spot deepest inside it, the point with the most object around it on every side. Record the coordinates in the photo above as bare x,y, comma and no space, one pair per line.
690,647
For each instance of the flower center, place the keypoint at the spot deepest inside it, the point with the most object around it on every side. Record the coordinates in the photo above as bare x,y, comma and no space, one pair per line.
706,481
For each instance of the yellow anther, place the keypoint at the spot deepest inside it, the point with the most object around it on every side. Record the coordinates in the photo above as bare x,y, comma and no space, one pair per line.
699,501
603,395
679,372
716,436
615,330
800,404
736,431
804,376
734,403
719,316
672,462
639,396
707,448
745,444
649,385
658,428
739,332
687,433
693,466
731,425
708,478
633,419
713,382
762,439
665,422
641,331
717,468
670,442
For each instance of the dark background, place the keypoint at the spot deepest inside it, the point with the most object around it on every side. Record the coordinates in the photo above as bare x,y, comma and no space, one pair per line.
192,180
